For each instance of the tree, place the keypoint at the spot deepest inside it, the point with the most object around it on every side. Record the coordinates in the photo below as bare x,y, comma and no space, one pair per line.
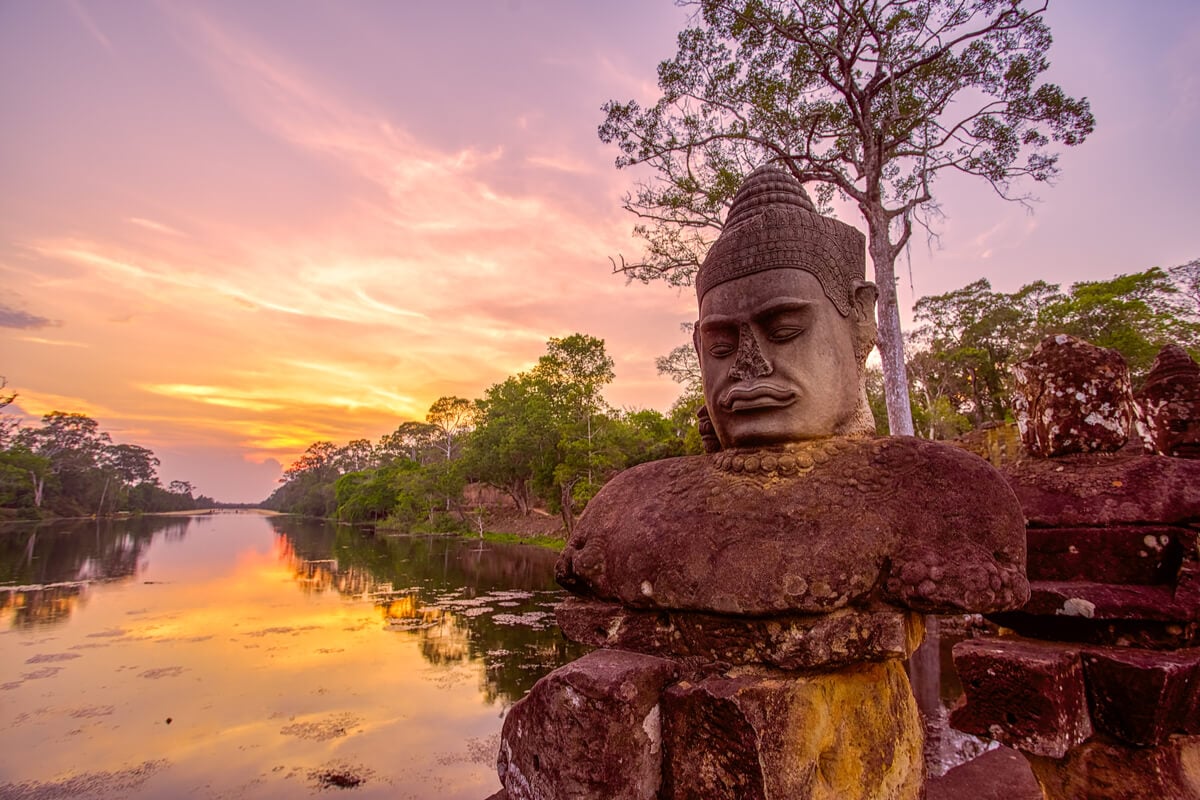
968,340
308,484
682,364
1187,277
574,370
962,355
22,478
572,373
320,461
515,439
869,100
536,433
452,417
1135,314
8,425
359,454
370,494
76,448
412,440
132,463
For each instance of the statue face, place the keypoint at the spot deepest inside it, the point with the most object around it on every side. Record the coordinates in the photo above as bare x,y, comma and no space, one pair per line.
777,360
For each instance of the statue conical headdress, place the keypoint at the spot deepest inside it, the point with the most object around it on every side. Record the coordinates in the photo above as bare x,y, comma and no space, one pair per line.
773,224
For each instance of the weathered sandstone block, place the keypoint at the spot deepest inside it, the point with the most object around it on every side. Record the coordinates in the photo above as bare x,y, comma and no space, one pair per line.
753,735
1028,695
1140,696
1072,397
795,641
589,729
1137,554
1103,490
1100,770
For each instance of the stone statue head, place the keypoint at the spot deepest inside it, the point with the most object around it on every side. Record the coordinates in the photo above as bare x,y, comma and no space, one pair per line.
1168,405
787,320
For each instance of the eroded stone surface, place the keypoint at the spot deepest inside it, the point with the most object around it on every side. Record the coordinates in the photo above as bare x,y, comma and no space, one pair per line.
828,641
1103,601
1072,397
804,529
849,735
1168,406
1105,490
1138,554
1113,560
1025,694
1140,696
589,729
1101,770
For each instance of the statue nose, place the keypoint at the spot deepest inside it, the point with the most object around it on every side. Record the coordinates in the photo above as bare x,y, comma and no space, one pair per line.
749,362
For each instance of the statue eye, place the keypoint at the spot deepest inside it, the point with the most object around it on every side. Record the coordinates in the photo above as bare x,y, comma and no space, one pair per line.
781,333
721,349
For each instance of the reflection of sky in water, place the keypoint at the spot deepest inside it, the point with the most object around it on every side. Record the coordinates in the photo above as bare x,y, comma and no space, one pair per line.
269,664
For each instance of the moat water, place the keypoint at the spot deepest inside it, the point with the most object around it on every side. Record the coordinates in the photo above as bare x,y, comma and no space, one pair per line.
246,656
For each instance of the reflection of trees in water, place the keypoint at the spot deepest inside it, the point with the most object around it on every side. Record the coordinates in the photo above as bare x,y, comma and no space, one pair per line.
463,600
45,568
41,605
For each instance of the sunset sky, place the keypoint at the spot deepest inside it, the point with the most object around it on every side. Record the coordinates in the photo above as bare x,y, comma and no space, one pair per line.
230,229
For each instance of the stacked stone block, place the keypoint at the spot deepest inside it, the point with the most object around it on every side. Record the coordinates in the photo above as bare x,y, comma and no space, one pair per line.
1099,688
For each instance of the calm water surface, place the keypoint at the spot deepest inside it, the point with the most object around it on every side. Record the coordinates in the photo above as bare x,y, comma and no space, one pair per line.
239,655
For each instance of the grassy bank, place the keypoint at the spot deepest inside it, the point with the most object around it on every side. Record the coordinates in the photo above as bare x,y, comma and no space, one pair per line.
556,543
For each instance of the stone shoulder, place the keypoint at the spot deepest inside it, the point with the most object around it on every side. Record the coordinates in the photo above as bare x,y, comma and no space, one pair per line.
807,528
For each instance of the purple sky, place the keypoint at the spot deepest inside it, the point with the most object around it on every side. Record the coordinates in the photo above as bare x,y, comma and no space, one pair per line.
229,229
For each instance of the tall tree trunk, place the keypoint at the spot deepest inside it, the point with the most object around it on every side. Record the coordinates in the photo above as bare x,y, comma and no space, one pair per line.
891,340
520,495
103,494
39,484
567,506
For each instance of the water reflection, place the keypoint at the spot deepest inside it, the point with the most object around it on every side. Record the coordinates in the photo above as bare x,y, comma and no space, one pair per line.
45,569
242,656
463,600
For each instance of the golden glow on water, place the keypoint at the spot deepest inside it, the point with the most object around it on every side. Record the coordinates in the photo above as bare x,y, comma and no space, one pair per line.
245,668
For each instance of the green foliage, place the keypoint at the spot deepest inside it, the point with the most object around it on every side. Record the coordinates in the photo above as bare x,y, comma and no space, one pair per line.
21,471
544,436
412,440
554,543
960,366
370,494
968,340
69,467
1134,314
515,442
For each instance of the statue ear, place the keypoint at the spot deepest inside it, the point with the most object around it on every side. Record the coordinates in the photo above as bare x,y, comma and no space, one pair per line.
863,297
696,337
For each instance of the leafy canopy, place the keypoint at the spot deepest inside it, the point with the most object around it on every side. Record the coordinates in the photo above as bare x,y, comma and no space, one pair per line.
870,100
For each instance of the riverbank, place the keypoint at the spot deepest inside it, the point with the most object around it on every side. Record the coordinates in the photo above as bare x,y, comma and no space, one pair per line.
8,515
506,525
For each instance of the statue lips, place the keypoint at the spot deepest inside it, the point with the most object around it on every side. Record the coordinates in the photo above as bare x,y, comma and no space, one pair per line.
756,396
